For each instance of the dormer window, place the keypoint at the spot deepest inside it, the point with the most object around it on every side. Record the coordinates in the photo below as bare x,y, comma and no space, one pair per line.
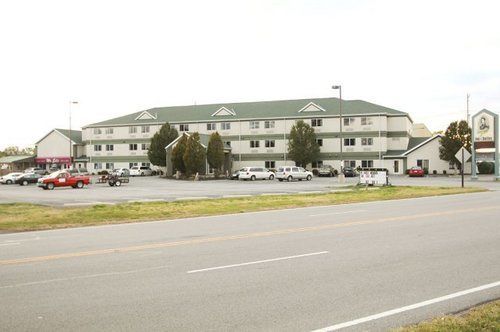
146,116
312,107
223,111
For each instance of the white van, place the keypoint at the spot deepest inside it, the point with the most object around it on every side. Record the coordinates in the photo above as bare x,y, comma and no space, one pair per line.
291,173
254,173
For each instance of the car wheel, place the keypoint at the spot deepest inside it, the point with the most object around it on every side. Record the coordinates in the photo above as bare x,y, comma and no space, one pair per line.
309,177
111,183
118,183
289,178
25,183
50,186
79,184
280,180
8,182
271,177
142,174
252,178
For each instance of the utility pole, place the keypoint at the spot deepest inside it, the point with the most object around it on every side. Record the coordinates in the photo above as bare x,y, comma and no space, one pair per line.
70,141
341,173
468,96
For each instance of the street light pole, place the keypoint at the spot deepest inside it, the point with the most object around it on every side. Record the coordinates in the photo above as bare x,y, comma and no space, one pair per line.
341,174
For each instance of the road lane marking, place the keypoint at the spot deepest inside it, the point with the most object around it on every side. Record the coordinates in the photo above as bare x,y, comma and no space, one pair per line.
407,308
88,276
242,236
10,243
333,213
258,262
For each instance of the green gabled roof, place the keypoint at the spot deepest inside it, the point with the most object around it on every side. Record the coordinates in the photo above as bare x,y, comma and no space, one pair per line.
76,135
250,110
14,159
415,141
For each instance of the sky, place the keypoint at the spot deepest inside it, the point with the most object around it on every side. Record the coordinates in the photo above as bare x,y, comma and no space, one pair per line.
120,57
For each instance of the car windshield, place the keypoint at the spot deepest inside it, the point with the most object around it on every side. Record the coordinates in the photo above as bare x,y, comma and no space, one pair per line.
55,174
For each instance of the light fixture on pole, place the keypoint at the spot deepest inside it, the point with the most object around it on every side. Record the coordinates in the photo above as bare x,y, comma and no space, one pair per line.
341,173
70,140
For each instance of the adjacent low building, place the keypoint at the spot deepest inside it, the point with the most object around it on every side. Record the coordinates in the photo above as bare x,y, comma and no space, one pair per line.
53,150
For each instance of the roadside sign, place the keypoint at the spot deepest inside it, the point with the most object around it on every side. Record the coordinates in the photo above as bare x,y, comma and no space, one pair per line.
466,154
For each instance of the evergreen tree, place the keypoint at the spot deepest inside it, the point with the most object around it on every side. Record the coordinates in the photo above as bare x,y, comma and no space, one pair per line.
178,154
302,145
194,156
457,134
215,153
156,152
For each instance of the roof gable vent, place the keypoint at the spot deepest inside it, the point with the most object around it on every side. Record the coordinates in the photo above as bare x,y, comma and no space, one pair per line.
224,111
146,116
312,107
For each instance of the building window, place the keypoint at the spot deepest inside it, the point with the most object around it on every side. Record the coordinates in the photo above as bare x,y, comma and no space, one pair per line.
184,127
366,121
423,163
109,131
350,163
145,146
130,165
146,164
144,129
319,141
97,165
349,141
132,147
132,130
97,148
269,124
270,143
316,122
254,144
366,163
110,147
110,165
254,124
227,143
225,125
367,141
211,126
270,164
348,121
97,131
317,164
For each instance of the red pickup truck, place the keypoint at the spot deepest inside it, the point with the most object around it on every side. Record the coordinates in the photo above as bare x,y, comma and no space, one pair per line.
63,179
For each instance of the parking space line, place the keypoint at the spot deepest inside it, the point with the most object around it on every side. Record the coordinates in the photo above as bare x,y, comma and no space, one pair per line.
258,262
407,308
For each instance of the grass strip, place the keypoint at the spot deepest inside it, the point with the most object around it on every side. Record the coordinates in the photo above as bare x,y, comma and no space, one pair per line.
27,217
485,317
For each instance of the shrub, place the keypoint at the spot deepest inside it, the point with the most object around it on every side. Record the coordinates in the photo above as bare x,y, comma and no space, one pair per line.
407,171
104,172
434,172
315,171
486,167
444,172
426,171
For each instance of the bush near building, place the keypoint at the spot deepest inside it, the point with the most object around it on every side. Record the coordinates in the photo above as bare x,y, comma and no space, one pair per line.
486,167
156,152
303,147
194,156
178,155
215,153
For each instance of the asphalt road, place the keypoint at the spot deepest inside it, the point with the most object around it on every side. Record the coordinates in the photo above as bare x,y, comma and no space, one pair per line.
158,189
293,270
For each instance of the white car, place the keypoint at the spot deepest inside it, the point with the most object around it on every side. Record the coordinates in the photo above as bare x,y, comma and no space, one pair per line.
121,172
141,171
10,178
291,173
254,173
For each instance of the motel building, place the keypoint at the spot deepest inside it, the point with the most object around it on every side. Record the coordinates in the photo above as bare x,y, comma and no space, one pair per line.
256,134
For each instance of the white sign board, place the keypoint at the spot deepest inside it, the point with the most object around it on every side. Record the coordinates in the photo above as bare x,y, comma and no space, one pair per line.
484,127
373,177
458,155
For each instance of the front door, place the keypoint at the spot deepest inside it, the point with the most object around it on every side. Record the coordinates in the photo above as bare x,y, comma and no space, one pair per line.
396,166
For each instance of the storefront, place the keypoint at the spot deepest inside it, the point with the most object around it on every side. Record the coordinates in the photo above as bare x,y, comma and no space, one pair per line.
53,163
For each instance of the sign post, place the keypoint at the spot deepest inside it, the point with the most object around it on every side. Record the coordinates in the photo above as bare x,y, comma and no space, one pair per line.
462,155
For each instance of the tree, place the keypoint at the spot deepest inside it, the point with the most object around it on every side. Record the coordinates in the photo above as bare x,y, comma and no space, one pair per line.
302,146
457,134
178,154
215,153
194,156
156,151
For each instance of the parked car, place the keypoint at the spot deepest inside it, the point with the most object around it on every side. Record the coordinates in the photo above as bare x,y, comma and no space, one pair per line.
291,173
254,173
63,179
416,172
37,170
235,175
349,172
27,178
121,172
327,170
141,171
10,178
78,171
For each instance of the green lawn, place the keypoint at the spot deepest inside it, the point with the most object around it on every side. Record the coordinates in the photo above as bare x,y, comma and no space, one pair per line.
482,318
26,217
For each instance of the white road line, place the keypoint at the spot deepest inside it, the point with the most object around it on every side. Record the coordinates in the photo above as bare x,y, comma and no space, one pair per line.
407,308
34,283
10,243
258,262
332,213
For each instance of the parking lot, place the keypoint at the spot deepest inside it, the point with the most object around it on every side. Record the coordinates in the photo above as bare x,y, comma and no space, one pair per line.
143,189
